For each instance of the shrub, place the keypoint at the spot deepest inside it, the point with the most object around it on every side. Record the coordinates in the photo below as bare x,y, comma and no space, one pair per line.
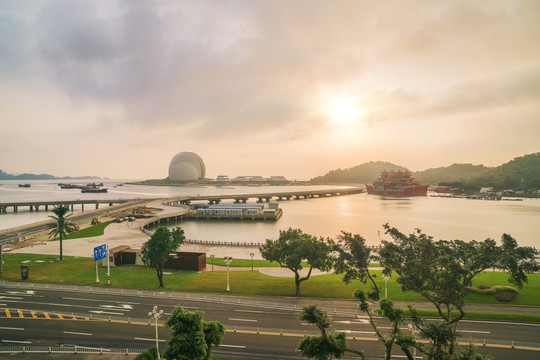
497,289
506,296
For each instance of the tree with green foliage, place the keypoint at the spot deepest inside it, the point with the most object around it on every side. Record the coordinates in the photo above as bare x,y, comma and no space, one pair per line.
353,260
192,338
61,227
150,354
440,271
162,243
330,344
292,247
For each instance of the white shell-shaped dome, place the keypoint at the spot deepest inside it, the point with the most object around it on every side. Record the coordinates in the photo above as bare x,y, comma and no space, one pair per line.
186,166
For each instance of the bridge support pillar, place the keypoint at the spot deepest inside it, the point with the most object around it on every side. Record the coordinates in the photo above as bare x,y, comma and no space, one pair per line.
97,206
71,206
46,207
37,207
15,208
31,207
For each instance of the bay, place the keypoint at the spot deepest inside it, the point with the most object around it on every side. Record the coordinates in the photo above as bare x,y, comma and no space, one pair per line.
443,218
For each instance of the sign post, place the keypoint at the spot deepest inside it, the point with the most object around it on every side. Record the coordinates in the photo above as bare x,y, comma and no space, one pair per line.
100,252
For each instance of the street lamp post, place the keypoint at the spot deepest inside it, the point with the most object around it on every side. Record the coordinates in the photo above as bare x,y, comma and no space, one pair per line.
414,331
252,254
212,256
386,277
155,314
227,260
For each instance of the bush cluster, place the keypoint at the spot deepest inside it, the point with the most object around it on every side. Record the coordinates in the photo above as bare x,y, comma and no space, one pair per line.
497,289
507,296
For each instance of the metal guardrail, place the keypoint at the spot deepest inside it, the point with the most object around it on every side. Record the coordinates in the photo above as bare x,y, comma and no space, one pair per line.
67,350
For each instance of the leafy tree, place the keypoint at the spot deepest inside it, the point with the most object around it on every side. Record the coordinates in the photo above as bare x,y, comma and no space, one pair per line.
192,338
441,271
150,354
353,260
292,247
329,344
162,243
61,227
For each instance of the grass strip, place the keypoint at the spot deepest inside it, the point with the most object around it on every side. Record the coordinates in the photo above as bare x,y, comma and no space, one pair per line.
95,230
81,270
475,315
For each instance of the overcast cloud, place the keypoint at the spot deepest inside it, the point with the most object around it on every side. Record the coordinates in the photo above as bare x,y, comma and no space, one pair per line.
117,88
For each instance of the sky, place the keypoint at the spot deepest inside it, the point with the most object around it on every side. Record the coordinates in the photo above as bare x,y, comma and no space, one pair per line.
295,88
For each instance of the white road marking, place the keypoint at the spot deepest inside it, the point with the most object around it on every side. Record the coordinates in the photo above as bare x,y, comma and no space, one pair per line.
105,312
250,311
10,297
357,332
25,293
233,346
475,331
97,300
123,307
250,320
358,321
10,328
77,333
17,342
143,339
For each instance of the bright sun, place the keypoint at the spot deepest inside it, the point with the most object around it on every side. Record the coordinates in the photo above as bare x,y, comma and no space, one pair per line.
343,112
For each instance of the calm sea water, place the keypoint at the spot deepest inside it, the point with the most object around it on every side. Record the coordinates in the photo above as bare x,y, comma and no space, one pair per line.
443,218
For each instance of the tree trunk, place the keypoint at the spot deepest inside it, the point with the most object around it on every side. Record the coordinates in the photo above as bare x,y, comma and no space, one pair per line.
297,282
159,271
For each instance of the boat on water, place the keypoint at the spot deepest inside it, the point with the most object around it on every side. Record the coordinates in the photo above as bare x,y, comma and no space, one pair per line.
92,189
397,183
69,186
24,185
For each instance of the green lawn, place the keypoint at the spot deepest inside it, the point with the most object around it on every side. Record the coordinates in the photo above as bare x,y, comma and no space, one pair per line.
80,270
95,230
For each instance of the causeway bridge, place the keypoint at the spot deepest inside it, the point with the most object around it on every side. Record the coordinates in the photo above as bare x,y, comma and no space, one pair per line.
266,197
35,205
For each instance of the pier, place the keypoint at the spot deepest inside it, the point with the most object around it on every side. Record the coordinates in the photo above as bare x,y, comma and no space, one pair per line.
35,205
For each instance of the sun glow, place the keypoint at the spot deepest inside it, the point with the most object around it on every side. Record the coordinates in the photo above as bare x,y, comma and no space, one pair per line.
344,112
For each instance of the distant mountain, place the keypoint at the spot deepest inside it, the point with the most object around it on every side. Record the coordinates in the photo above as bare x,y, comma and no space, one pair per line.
364,173
452,173
6,176
521,173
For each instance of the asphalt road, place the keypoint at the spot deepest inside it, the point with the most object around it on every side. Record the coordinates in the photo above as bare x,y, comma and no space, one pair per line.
89,317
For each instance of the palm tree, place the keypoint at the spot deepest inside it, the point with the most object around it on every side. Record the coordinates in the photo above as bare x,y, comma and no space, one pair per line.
61,227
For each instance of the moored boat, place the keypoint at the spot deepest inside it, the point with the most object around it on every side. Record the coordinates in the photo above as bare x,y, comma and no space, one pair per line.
91,189
397,183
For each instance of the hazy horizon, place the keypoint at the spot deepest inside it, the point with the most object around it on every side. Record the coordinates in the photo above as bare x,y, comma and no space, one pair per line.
116,89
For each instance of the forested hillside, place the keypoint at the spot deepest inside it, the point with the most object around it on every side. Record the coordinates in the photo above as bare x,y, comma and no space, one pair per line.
362,174
521,173
452,173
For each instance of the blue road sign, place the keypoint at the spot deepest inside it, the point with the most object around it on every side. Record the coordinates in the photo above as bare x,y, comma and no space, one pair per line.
100,252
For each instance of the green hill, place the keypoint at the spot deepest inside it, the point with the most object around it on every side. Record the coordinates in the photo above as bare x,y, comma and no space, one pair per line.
521,173
361,174
452,173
